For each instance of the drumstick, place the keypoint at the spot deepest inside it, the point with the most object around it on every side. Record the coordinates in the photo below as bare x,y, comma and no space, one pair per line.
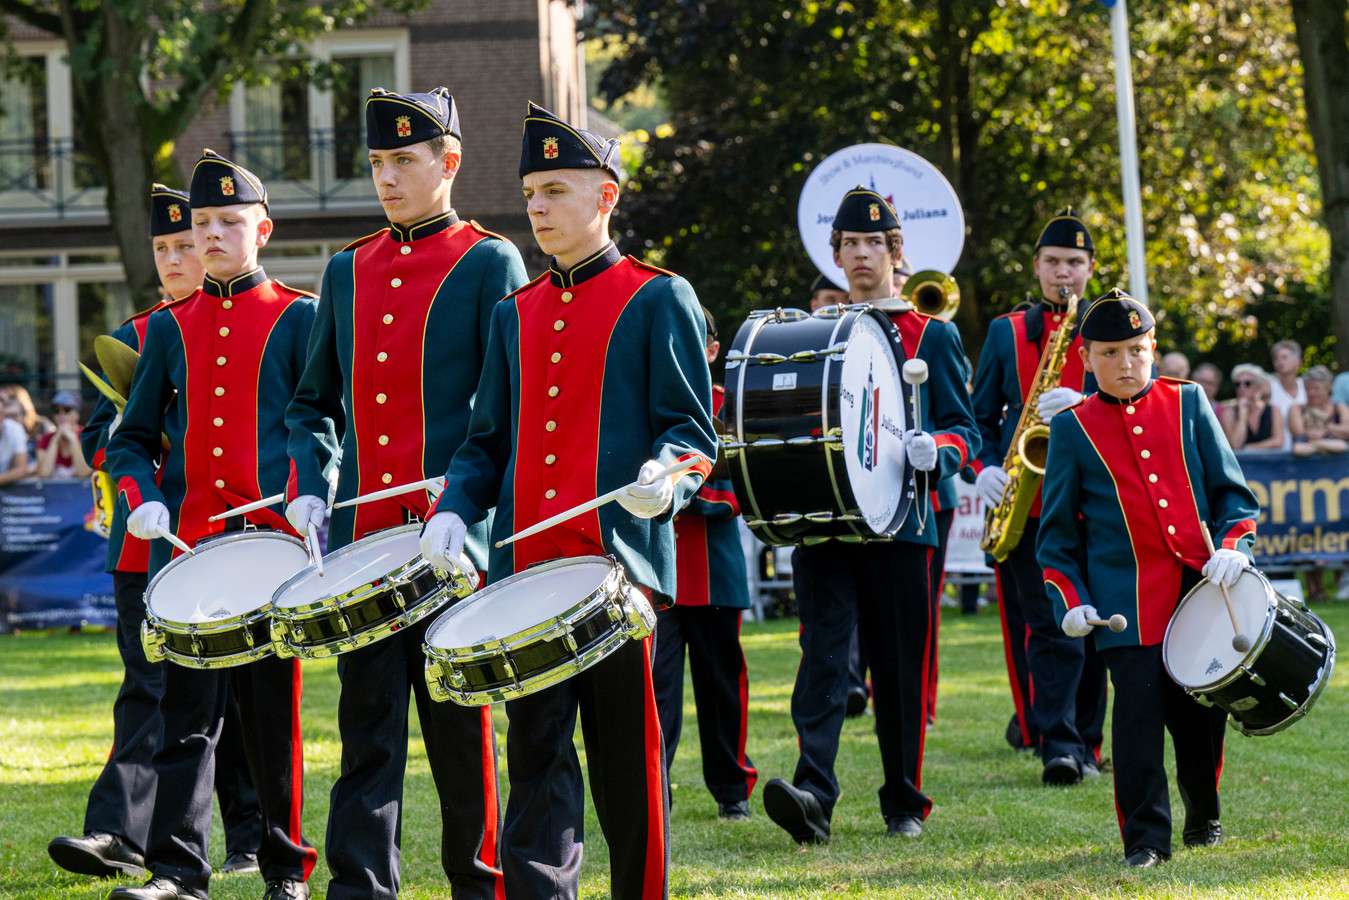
314,548
174,540
1116,623
1240,642
677,469
437,483
249,507
915,373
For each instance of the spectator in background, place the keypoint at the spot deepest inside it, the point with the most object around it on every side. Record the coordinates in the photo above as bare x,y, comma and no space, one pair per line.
1340,391
1174,365
1286,388
825,293
900,274
13,444
1250,421
58,453
1315,437
34,425
1210,378
1332,417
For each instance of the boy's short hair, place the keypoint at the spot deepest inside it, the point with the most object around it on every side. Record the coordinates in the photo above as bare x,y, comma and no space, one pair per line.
443,145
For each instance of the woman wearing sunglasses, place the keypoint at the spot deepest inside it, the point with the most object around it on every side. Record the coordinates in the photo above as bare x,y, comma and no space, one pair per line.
1250,422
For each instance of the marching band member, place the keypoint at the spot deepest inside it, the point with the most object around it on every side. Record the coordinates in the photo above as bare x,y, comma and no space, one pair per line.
594,372
883,585
232,352
117,817
705,620
393,360
1134,473
1058,684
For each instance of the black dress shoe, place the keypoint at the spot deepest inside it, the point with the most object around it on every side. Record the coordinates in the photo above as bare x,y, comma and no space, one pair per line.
857,702
1063,770
904,826
96,853
796,811
155,889
286,890
239,862
1209,834
739,810
1144,858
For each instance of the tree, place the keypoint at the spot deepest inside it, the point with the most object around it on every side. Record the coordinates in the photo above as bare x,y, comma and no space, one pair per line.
1323,40
1014,102
142,69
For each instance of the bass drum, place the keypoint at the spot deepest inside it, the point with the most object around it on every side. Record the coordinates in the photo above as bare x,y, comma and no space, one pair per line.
815,416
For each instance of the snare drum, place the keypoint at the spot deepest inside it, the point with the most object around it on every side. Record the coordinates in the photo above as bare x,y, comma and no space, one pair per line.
208,610
1270,686
532,630
369,589
815,414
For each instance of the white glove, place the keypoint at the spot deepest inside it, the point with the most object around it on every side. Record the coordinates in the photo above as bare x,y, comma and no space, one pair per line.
442,541
1056,400
1075,623
647,500
146,520
921,448
1224,566
112,426
990,484
305,510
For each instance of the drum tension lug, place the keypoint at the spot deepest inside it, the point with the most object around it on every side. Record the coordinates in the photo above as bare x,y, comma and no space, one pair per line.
1288,701
1254,676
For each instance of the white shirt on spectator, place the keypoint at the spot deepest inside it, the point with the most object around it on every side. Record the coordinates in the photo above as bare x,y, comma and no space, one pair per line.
13,441
1283,401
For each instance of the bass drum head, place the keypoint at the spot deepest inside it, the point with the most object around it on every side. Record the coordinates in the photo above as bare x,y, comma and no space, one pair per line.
873,411
519,602
365,562
1197,648
227,577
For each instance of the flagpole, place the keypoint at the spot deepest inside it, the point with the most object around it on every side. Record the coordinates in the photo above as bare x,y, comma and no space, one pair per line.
1128,153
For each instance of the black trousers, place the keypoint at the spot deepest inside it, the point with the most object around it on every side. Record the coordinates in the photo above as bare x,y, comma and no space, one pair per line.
936,582
882,589
711,636
1015,637
1067,675
193,709
123,796
364,837
544,834
1146,701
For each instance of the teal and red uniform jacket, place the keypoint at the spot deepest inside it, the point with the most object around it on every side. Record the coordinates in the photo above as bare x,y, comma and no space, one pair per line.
945,406
1127,486
708,557
215,375
1006,372
393,361
125,553
588,374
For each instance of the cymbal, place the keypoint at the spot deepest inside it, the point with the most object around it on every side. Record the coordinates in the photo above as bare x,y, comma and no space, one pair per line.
107,390
118,362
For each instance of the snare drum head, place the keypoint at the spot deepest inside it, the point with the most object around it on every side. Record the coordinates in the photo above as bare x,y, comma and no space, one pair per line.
1198,644
871,407
363,562
227,577
522,601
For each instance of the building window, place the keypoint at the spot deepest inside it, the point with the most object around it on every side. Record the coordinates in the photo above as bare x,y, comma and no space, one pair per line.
24,133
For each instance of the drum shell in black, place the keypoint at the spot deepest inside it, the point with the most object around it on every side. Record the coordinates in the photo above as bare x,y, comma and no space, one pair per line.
787,463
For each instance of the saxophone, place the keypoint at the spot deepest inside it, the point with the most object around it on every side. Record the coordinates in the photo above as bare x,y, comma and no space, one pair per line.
1025,461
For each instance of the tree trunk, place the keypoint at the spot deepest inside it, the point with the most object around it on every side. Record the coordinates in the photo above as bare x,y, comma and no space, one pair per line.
1323,41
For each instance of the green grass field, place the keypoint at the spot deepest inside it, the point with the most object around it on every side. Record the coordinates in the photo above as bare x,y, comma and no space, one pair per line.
995,831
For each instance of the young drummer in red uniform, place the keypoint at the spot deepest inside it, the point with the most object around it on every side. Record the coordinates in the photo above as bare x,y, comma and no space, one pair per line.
117,818
1134,473
594,373
231,352
1058,683
394,358
705,621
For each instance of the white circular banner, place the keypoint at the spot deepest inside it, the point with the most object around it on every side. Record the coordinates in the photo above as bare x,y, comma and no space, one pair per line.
929,211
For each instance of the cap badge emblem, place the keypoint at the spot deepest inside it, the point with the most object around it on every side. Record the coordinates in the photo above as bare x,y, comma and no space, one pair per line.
227,185
404,126
175,213
550,148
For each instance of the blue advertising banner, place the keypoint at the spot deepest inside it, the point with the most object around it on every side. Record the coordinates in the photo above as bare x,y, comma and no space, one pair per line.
51,566
1303,501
